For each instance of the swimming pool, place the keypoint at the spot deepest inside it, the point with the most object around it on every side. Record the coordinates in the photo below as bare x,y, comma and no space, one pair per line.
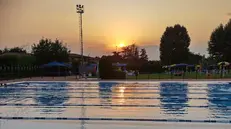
115,104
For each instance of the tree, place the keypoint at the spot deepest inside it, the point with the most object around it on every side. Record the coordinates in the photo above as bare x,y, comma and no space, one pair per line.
130,52
17,50
115,53
219,46
174,45
107,71
105,67
5,50
194,58
135,51
16,56
47,51
216,43
151,67
13,50
116,57
143,55
16,59
130,55
206,62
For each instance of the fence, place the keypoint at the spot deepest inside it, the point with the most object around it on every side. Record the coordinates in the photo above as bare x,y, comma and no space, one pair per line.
11,72
22,71
8,72
183,75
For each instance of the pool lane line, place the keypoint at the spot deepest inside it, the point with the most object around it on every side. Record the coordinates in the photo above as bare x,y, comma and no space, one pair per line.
9,88
127,86
117,119
142,88
178,81
112,105
173,108
109,92
116,97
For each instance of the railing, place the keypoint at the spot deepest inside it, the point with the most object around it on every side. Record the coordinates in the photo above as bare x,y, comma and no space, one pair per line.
23,71
15,72
180,75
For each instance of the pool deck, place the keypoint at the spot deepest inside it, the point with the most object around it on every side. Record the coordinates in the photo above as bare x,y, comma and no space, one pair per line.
106,125
73,78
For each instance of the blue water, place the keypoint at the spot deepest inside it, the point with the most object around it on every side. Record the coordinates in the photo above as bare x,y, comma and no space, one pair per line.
164,100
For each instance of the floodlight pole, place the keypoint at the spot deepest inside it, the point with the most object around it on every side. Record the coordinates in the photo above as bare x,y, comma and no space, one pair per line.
80,11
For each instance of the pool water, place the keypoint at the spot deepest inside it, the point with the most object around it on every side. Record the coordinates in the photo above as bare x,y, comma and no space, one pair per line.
96,104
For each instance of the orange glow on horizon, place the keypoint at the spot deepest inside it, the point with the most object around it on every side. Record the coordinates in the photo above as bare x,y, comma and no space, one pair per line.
121,45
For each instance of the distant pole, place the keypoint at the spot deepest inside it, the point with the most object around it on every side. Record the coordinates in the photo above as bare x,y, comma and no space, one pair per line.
80,11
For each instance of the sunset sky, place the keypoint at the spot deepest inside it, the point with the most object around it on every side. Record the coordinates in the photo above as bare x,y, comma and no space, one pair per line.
107,23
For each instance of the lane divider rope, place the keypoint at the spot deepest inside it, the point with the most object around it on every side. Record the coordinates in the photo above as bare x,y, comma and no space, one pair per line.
115,105
116,97
9,88
164,93
101,87
116,119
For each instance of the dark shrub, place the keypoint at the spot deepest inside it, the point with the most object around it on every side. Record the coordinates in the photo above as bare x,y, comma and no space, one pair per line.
106,70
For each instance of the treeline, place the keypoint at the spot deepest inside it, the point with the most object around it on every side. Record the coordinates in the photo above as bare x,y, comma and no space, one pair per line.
174,47
175,42
43,52
219,46
135,58
15,50
16,62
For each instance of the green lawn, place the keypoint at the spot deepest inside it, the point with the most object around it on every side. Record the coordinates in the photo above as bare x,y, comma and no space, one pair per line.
187,76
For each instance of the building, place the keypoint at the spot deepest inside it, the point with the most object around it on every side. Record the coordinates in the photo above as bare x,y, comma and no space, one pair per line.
87,59
90,64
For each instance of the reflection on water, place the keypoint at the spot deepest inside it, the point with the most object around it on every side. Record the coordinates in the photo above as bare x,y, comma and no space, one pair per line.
135,100
220,91
105,89
171,102
109,90
8,93
121,95
118,94
52,98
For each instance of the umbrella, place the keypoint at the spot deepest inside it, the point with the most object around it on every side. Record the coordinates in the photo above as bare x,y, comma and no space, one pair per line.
52,64
67,65
223,63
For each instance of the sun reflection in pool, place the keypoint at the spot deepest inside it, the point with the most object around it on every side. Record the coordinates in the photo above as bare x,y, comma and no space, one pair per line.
121,95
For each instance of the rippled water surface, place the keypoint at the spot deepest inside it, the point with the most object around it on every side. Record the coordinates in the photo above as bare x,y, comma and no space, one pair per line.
164,100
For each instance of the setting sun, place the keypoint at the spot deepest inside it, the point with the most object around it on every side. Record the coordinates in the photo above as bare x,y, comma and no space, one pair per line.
121,45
